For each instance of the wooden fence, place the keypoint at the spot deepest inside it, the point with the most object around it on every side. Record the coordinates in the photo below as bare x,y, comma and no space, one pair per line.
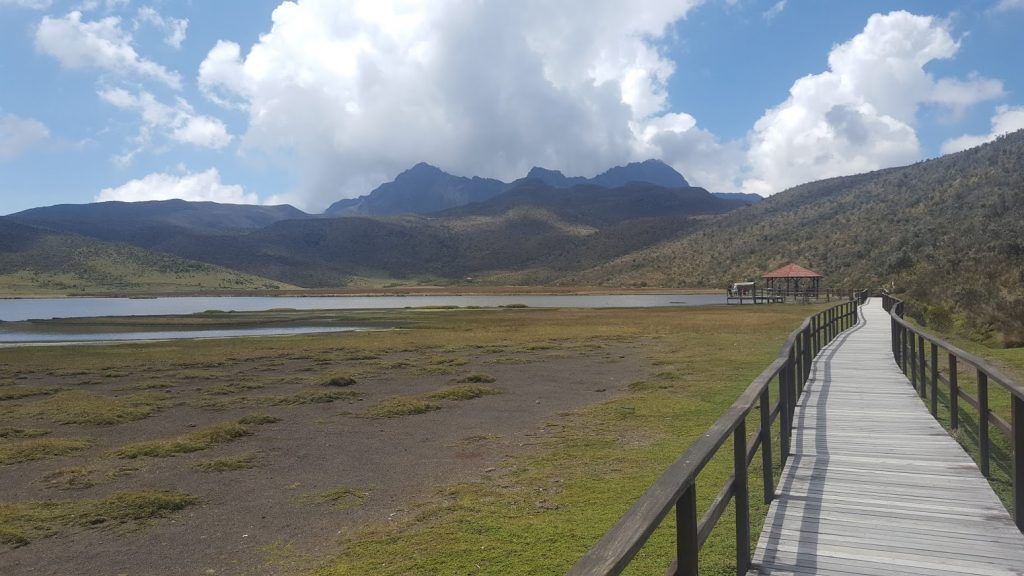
918,355
676,488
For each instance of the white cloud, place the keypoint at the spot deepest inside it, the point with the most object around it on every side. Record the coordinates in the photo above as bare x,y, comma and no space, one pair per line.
959,95
1005,5
197,187
775,10
860,114
1006,119
180,122
175,29
18,135
30,4
108,5
355,91
99,44
695,152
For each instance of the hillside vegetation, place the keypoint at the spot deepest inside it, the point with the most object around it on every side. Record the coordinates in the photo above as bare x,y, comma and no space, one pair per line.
34,261
947,233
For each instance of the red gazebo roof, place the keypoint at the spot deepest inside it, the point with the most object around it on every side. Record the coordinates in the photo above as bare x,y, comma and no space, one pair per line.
792,271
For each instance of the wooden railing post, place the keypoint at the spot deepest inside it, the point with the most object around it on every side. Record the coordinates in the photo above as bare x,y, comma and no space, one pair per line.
798,368
817,334
954,394
808,353
907,357
983,421
935,380
766,446
920,364
913,359
892,340
794,398
900,360
784,421
686,533
742,498
1017,423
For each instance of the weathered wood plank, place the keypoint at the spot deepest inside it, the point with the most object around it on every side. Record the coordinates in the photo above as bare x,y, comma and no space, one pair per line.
873,484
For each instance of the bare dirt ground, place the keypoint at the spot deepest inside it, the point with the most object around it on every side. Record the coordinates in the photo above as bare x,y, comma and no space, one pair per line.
323,469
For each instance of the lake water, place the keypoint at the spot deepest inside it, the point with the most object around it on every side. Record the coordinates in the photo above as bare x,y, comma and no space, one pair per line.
18,337
46,308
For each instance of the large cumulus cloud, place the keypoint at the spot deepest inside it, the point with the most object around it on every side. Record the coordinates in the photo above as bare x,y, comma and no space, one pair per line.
354,91
860,114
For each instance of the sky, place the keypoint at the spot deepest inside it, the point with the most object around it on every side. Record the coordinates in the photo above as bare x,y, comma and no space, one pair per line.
310,101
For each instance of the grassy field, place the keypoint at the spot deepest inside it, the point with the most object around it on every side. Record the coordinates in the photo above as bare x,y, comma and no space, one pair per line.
174,417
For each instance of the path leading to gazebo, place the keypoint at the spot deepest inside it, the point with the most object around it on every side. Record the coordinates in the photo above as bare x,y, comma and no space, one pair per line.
874,485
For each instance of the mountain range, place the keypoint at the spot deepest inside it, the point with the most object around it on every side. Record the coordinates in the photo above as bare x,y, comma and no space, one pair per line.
946,233
424,189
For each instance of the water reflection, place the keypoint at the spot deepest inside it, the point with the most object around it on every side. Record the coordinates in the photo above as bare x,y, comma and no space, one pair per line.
46,308
19,337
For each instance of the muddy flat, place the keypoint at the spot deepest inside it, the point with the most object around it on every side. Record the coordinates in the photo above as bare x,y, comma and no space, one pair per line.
316,468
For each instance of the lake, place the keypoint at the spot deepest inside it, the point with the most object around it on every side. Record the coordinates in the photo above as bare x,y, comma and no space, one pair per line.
21,337
13,310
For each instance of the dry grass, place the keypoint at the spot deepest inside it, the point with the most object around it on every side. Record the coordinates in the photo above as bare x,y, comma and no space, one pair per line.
23,522
229,463
199,440
84,407
14,451
462,392
396,406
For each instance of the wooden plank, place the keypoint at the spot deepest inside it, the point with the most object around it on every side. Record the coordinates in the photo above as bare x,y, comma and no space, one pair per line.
873,484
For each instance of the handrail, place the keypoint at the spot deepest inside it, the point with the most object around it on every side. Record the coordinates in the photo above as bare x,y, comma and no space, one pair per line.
908,349
676,487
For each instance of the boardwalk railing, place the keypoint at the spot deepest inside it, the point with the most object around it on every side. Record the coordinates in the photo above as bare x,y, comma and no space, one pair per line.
921,363
677,486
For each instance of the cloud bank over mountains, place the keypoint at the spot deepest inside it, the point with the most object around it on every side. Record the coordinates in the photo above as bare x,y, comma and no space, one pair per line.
357,91
345,94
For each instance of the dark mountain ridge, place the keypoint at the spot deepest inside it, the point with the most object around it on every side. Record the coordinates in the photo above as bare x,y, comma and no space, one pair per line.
120,221
419,190
37,261
425,189
598,206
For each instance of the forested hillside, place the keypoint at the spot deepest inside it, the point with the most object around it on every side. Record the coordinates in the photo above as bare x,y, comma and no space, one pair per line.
35,261
948,233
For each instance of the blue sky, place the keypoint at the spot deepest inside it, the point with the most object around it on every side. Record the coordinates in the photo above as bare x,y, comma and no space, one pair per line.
312,101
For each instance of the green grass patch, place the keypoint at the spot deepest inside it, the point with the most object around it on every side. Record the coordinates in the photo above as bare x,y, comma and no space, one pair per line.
83,407
229,463
309,397
462,392
258,419
341,497
15,451
397,406
12,432
25,391
199,440
646,385
477,378
23,522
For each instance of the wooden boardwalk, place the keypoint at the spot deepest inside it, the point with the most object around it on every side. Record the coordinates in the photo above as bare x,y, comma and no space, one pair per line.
874,485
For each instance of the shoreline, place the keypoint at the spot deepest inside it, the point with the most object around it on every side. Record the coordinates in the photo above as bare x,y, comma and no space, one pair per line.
371,292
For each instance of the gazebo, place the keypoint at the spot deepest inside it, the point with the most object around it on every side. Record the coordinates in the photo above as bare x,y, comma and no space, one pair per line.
794,280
